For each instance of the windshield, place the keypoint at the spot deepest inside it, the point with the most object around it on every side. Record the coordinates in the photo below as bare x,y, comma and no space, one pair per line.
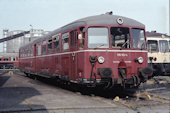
120,37
98,37
153,46
163,45
138,39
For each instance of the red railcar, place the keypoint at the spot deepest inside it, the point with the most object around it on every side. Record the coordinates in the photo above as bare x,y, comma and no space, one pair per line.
98,50
8,62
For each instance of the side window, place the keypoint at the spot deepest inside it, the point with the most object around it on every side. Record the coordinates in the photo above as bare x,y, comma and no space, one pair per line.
163,46
81,37
73,39
5,59
56,42
44,48
20,52
26,52
50,46
153,46
12,59
65,41
39,50
31,51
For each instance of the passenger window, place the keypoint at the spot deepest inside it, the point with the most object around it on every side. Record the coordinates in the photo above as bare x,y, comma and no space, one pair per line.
82,37
49,46
153,46
65,41
12,59
39,49
163,46
56,42
28,51
44,48
31,51
5,59
73,39
23,52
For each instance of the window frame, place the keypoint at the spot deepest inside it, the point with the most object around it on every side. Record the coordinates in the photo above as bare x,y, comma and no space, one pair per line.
64,46
150,50
108,40
160,50
50,46
56,38
145,47
127,39
44,47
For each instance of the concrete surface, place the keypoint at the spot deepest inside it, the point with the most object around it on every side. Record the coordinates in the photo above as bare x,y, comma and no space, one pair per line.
19,94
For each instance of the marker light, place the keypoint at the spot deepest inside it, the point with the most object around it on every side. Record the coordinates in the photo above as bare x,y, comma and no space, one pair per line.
120,21
101,60
140,60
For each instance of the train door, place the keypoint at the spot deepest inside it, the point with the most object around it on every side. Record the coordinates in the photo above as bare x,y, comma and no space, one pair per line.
73,55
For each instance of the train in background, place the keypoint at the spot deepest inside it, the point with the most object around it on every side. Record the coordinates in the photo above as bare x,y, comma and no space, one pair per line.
158,53
9,61
102,50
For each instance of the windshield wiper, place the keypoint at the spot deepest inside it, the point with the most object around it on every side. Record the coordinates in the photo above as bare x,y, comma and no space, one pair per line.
99,46
143,46
127,41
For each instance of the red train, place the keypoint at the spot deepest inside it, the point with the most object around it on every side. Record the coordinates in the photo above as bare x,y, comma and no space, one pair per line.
106,50
8,61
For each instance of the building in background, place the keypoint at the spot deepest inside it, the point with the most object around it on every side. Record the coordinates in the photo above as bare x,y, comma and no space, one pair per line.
12,46
9,55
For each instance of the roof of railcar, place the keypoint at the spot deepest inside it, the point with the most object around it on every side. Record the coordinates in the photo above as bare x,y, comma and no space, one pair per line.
105,19
156,35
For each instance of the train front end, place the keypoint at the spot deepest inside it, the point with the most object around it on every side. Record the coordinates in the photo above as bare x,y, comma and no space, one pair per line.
116,55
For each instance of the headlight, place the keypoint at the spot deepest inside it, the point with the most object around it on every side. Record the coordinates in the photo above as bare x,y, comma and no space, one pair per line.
140,60
100,59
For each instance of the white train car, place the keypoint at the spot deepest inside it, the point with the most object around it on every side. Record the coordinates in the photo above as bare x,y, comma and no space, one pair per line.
159,53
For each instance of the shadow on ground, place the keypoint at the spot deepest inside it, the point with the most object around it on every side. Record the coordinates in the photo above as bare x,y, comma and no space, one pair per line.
15,99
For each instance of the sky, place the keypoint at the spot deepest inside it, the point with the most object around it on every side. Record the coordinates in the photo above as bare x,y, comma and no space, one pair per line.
52,14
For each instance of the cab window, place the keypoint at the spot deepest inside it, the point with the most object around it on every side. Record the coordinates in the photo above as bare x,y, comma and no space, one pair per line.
153,46
120,37
98,37
138,38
